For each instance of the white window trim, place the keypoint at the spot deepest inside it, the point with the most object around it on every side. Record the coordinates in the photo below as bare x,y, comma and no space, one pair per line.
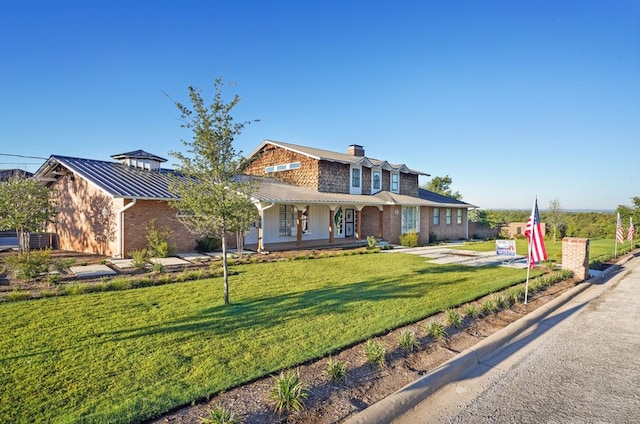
352,189
417,222
436,214
281,167
373,172
397,190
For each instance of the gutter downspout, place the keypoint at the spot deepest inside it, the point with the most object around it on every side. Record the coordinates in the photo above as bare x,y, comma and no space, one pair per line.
120,213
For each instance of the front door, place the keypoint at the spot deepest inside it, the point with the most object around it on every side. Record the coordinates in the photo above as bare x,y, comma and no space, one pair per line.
349,222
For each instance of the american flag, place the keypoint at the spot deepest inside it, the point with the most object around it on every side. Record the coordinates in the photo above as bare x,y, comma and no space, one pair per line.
619,235
631,232
533,232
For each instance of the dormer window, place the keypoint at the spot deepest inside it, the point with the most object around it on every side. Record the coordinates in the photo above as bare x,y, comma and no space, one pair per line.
376,180
395,182
356,181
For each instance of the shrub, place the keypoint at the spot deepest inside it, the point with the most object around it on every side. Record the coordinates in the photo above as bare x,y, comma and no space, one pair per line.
288,392
407,341
139,258
157,267
28,265
208,244
220,415
375,353
433,238
471,311
18,295
409,239
500,301
453,318
158,240
371,242
516,294
436,330
488,307
336,370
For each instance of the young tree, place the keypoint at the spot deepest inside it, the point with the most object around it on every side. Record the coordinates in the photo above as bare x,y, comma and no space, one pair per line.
25,206
554,216
213,197
442,185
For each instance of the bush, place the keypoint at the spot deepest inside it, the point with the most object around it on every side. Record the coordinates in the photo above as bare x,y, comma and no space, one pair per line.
453,318
139,258
472,311
18,295
436,330
28,265
288,392
158,240
371,242
220,415
409,239
375,353
208,244
337,370
407,341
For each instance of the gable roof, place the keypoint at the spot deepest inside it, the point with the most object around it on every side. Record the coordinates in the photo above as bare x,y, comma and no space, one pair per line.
114,178
330,156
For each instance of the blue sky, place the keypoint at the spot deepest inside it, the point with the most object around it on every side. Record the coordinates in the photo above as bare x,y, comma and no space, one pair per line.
511,99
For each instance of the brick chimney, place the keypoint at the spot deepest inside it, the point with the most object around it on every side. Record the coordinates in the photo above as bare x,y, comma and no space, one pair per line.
355,150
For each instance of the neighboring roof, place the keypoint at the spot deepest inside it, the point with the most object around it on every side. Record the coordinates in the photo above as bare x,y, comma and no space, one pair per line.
6,174
328,155
441,200
116,179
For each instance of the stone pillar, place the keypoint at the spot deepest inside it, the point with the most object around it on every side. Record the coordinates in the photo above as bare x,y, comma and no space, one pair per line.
575,256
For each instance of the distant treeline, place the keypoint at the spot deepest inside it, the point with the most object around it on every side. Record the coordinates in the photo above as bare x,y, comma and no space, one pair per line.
568,224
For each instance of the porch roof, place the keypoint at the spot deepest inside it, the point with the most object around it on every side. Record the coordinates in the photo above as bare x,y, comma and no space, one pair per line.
272,190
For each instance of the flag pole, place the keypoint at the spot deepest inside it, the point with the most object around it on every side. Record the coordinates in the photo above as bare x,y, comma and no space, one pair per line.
526,284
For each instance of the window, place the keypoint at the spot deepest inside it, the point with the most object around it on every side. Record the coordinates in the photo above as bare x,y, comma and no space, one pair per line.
436,216
395,182
287,220
282,167
447,217
376,180
355,178
459,216
410,219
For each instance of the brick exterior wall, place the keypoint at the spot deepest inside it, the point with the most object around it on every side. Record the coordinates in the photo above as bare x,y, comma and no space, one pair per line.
444,231
138,218
305,176
85,221
575,256
370,222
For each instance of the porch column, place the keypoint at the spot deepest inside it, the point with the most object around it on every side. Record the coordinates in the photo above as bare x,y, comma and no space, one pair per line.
331,217
260,235
358,224
299,227
380,221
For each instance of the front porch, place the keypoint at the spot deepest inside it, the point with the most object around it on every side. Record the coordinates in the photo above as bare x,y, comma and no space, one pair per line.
343,243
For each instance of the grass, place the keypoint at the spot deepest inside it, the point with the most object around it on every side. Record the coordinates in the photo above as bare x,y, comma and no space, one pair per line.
127,356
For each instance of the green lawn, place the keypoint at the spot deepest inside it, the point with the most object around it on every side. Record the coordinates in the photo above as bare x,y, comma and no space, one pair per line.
130,355
598,248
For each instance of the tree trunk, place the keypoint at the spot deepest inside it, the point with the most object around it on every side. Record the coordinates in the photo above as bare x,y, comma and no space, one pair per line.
24,240
223,240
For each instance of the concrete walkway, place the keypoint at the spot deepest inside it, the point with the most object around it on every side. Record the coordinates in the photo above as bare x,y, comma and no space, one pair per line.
448,393
444,255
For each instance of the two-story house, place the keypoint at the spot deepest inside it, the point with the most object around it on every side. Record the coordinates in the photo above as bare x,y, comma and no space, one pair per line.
313,194
305,196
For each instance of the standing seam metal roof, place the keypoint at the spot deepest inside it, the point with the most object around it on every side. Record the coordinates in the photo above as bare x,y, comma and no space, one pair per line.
119,180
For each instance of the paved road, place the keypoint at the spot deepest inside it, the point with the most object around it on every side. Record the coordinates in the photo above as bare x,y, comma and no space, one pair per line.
581,364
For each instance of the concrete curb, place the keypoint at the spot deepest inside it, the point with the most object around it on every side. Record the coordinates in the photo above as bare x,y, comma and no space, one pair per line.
398,403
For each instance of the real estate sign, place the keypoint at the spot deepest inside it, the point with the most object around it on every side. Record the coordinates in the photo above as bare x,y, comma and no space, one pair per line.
506,247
